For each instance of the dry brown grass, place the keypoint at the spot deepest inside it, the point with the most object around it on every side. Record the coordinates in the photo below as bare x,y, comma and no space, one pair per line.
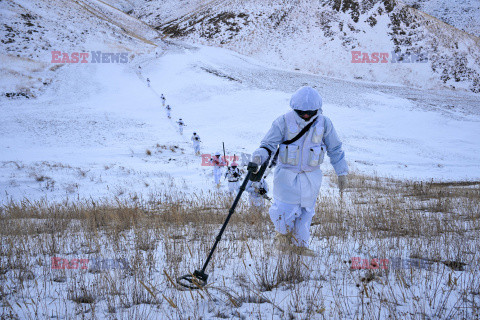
171,234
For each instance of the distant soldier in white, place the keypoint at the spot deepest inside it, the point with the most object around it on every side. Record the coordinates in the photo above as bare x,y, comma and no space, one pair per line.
218,163
148,82
258,192
169,109
181,124
233,176
196,143
162,97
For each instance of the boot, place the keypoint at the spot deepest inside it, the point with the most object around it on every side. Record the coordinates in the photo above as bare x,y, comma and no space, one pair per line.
304,251
283,241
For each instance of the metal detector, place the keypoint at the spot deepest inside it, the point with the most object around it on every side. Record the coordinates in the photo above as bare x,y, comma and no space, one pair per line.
198,279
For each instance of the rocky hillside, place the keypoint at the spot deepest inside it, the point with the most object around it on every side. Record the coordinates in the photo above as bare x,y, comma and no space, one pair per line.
157,12
462,14
375,40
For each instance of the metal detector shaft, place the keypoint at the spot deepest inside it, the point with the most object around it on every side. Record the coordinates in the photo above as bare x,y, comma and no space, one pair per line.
230,212
224,155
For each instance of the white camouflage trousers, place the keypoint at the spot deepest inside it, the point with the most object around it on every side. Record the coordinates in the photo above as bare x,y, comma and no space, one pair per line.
196,147
217,174
292,218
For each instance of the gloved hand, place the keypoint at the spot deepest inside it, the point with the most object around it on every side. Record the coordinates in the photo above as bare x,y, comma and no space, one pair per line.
259,156
262,191
342,182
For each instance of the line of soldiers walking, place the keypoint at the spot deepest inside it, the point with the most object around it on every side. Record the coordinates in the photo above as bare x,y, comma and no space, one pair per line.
257,190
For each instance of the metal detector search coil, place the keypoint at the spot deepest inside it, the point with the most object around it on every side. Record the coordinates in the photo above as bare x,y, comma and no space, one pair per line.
198,279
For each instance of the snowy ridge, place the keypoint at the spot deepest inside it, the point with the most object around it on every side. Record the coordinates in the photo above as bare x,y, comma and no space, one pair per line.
165,11
319,37
129,24
462,14
30,31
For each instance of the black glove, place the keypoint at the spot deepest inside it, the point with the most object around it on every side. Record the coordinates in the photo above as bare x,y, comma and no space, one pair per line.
262,191
252,167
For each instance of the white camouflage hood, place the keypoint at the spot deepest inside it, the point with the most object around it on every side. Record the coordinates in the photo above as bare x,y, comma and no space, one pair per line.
306,98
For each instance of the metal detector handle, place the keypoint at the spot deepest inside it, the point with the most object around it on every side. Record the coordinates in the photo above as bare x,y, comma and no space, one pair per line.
257,174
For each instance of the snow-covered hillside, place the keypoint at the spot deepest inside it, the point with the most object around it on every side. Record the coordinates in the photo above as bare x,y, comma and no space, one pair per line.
94,141
31,30
322,37
89,132
462,14
159,12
